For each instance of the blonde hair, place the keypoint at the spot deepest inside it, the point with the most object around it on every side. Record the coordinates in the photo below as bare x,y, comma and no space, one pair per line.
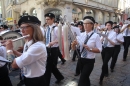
37,33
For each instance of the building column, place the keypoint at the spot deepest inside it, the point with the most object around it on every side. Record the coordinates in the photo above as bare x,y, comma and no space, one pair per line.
40,14
96,15
106,17
68,12
112,17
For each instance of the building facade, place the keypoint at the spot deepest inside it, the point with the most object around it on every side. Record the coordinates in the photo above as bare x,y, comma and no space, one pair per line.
124,8
101,10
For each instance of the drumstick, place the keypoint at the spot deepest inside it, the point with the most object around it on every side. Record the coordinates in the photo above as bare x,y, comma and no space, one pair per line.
20,38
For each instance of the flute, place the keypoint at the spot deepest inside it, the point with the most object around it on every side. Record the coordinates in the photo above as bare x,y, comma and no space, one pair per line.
2,42
20,38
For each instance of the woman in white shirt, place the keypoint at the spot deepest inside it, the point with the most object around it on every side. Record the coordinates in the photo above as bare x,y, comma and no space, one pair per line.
119,42
108,41
33,59
88,50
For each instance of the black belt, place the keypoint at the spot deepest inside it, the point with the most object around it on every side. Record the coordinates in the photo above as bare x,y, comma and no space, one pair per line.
117,45
88,60
127,36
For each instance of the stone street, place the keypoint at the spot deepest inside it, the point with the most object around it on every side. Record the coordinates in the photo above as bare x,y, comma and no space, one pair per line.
120,76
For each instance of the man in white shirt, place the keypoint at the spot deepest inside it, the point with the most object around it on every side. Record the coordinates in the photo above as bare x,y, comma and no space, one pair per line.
52,49
126,33
118,43
108,41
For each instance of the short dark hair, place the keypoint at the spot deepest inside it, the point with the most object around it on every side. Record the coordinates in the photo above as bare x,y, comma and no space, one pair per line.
110,22
114,22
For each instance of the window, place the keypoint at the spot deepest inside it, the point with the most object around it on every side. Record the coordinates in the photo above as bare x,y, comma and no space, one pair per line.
34,13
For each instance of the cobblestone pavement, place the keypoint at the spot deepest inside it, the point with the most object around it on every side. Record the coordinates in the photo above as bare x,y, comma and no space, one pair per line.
120,76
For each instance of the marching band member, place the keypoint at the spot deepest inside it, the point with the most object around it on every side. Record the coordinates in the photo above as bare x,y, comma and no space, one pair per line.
109,41
126,33
96,28
119,41
4,29
89,45
114,24
4,73
33,59
52,49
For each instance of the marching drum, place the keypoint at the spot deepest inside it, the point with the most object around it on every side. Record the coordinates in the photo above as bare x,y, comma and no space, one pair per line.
13,35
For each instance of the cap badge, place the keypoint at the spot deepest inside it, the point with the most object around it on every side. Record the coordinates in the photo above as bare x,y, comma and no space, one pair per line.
28,18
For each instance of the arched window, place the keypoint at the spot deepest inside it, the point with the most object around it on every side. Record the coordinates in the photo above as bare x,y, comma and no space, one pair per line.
34,13
25,13
76,14
57,13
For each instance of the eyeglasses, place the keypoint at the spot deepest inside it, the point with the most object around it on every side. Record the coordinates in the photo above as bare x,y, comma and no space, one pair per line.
87,23
24,27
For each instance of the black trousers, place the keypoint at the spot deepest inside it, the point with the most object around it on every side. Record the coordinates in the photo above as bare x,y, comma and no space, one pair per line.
78,70
4,76
106,53
87,66
75,54
60,56
126,46
37,81
115,56
51,66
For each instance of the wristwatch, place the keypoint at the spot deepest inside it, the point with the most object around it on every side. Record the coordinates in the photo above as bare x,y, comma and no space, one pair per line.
9,51
91,49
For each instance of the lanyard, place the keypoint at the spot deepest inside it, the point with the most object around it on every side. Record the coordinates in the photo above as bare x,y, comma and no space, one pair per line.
86,41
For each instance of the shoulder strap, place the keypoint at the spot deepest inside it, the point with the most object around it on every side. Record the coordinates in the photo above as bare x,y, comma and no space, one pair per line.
51,32
87,41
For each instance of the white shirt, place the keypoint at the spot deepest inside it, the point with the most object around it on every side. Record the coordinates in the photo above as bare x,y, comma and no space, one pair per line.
111,36
124,32
2,55
119,37
54,34
33,61
93,42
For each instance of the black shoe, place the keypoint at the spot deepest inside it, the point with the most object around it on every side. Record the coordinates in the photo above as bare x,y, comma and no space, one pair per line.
112,70
58,81
124,59
100,82
21,83
63,62
106,75
76,74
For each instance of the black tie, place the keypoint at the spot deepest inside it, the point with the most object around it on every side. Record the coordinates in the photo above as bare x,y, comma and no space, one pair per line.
26,48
